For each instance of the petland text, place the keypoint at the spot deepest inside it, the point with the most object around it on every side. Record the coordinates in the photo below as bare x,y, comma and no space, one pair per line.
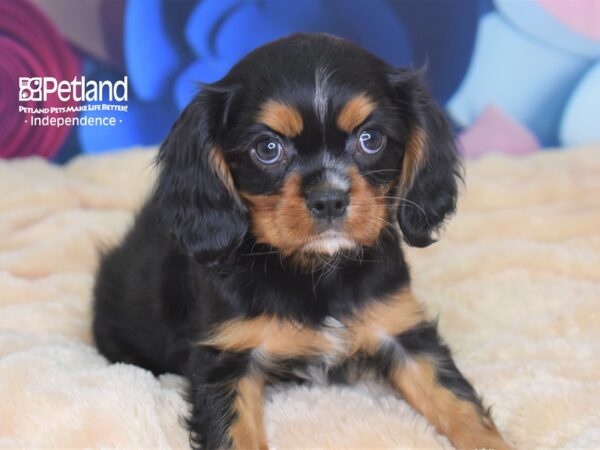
78,89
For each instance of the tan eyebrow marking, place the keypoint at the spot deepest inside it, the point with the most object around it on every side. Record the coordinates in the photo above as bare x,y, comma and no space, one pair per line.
283,118
355,112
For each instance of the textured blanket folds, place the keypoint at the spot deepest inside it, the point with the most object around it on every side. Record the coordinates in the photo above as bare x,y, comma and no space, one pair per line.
515,282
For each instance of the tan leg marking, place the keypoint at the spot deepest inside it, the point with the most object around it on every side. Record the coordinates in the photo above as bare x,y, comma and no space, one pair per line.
248,429
460,420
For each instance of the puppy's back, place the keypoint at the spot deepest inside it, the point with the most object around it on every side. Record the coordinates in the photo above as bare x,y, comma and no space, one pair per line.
133,320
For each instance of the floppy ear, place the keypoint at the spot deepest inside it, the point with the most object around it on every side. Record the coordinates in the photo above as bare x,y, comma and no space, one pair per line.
195,194
430,165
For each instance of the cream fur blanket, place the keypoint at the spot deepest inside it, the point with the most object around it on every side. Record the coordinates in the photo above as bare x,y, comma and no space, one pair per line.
515,281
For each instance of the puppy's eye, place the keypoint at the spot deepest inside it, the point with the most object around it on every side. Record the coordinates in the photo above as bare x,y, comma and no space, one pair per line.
268,151
371,141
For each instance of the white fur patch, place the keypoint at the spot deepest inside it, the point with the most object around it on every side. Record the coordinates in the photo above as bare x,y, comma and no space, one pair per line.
315,373
400,353
337,333
320,98
337,181
329,244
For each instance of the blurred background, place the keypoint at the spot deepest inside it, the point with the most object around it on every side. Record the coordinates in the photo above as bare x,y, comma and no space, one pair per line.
513,76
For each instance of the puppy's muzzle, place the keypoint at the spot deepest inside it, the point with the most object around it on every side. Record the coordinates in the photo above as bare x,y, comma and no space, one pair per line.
327,204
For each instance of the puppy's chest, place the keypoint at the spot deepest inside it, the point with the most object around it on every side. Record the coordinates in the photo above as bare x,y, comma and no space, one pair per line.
342,346
271,340
313,352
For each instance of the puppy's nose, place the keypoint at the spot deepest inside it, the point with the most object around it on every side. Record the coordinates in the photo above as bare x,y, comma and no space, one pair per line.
327,204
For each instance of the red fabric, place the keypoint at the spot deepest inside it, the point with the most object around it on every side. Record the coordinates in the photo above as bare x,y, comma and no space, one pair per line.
30,46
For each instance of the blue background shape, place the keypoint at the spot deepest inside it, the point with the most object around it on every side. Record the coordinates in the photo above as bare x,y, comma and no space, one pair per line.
168,54
580,122
479,54
528,79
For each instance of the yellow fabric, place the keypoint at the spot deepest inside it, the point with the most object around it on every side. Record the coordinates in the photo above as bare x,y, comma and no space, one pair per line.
515,281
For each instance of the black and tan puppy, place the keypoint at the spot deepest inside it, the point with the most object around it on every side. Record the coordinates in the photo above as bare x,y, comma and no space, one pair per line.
270,248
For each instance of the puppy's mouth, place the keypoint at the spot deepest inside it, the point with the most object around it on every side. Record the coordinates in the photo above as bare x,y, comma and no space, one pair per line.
329,243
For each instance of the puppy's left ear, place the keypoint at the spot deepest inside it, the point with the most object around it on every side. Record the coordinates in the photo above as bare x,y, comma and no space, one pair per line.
430,165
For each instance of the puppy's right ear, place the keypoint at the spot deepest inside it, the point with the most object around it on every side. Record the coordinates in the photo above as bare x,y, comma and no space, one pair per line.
195,194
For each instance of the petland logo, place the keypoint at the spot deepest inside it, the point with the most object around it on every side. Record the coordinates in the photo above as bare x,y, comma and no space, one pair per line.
84,102
38,89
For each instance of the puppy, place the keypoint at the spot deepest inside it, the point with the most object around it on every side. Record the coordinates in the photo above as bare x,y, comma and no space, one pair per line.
270,247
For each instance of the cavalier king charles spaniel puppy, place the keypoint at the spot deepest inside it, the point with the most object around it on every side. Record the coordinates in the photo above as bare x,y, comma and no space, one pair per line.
270,247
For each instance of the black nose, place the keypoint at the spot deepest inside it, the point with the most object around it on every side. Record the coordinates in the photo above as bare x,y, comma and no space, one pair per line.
327,204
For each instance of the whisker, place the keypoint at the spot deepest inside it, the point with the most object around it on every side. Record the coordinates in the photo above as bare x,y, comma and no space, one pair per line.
368,172
403,199
274,252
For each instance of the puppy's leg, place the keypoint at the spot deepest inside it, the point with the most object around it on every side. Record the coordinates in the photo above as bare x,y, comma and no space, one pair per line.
227,401
421,368
408,351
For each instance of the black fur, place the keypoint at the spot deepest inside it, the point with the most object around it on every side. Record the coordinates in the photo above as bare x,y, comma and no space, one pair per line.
192,203
211,401
191,260
435,186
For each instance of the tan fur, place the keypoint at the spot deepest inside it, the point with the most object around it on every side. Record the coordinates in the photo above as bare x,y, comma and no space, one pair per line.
355,112
414,157
221,169
366,210
276,338
400,312
280,117
459,420
465,425
282,219
273,337
248,429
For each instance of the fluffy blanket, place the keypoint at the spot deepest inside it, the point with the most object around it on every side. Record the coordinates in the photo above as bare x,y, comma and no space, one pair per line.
515,282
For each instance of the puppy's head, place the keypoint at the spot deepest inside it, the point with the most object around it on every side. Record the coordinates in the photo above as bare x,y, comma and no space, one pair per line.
311,145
